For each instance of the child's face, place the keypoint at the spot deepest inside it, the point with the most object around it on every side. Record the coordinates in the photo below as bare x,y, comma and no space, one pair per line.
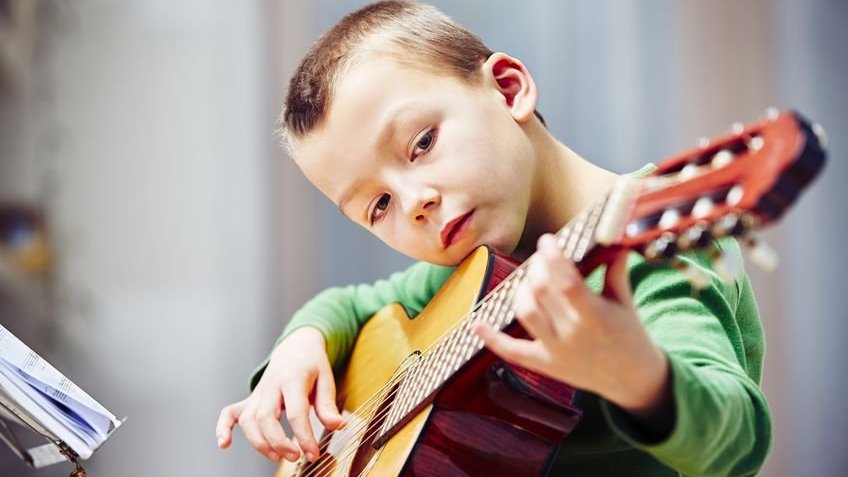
432,166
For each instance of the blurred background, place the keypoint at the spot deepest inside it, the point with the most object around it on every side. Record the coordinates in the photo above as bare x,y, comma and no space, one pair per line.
157,239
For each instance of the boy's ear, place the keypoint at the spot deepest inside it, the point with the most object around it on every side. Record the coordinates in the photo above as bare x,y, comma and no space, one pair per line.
514,82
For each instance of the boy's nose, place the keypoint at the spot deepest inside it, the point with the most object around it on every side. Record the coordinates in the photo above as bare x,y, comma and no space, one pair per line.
427,199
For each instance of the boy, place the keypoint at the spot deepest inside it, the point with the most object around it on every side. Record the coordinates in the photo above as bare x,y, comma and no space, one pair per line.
428,139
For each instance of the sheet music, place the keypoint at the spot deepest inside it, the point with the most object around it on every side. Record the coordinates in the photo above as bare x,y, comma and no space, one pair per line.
51,398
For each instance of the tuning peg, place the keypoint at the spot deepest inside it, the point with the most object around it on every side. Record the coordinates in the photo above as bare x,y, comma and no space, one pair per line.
755,143
735,195
737,128
703,207
695,236
728,268
697,278
821,134
730,224
772,113
761,253
689,171
721,159
669,219
663,247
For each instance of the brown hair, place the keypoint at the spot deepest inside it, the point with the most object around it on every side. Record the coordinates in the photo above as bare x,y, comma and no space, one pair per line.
410,32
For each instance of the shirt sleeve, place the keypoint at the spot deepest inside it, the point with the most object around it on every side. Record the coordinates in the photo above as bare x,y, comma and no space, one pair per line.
340,312
714,342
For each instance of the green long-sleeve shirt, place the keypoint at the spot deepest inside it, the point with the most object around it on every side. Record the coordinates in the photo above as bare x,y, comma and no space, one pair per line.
713,340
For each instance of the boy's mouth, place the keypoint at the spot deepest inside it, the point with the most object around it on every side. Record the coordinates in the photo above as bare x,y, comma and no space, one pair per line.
455,227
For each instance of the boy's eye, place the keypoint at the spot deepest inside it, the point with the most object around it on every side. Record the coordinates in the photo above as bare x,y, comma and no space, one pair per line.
424,144
379,209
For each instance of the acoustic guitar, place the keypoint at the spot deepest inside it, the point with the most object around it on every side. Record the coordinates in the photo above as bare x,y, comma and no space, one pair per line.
424,398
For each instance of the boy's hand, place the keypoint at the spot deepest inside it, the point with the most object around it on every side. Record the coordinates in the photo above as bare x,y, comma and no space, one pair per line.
592,342
297,377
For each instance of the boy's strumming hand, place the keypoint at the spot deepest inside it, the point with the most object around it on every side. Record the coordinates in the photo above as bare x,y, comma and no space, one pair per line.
596,343
298,377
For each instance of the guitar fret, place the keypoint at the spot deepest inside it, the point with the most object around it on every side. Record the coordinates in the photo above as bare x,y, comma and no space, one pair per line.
426,379
452,343
513,288
496,311
484,312
442,371
562,237
587,237
574,236
434,376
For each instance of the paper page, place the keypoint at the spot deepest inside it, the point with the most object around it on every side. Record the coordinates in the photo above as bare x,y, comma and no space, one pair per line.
18,399
88,418
40,374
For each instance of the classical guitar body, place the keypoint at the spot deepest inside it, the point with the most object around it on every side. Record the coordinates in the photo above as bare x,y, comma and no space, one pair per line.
486,420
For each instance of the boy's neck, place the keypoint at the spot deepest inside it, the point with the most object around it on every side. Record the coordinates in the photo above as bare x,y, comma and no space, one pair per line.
564,185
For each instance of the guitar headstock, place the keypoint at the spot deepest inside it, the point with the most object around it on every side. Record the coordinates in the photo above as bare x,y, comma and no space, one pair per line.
729,186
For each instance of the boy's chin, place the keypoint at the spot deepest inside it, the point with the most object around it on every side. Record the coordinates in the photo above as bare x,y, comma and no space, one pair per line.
452,259
446,261
457,256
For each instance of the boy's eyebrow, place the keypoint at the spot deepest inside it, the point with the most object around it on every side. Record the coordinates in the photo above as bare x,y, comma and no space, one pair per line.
390,125
385,137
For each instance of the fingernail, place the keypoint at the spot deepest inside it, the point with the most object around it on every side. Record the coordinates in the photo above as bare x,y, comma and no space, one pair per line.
310,457
292,456
220,440
274,456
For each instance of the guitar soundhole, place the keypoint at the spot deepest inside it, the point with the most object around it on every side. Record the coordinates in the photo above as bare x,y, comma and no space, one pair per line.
349,450
367,451
325,465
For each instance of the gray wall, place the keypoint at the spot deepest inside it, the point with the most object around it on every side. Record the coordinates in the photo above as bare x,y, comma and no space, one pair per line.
160,200
187,238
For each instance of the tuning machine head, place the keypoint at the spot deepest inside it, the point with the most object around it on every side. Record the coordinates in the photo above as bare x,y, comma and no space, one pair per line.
761,253
728,267
696,236
663,247
731,224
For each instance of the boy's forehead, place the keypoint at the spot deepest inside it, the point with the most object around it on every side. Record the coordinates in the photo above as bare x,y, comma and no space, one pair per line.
376,80
369,101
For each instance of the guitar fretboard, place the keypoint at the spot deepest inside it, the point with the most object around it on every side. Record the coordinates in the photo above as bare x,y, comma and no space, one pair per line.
438,364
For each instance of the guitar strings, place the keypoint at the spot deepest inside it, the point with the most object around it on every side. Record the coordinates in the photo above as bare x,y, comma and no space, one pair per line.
350,447
371,429
365,410
354,434
362,429
376,399
370,424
